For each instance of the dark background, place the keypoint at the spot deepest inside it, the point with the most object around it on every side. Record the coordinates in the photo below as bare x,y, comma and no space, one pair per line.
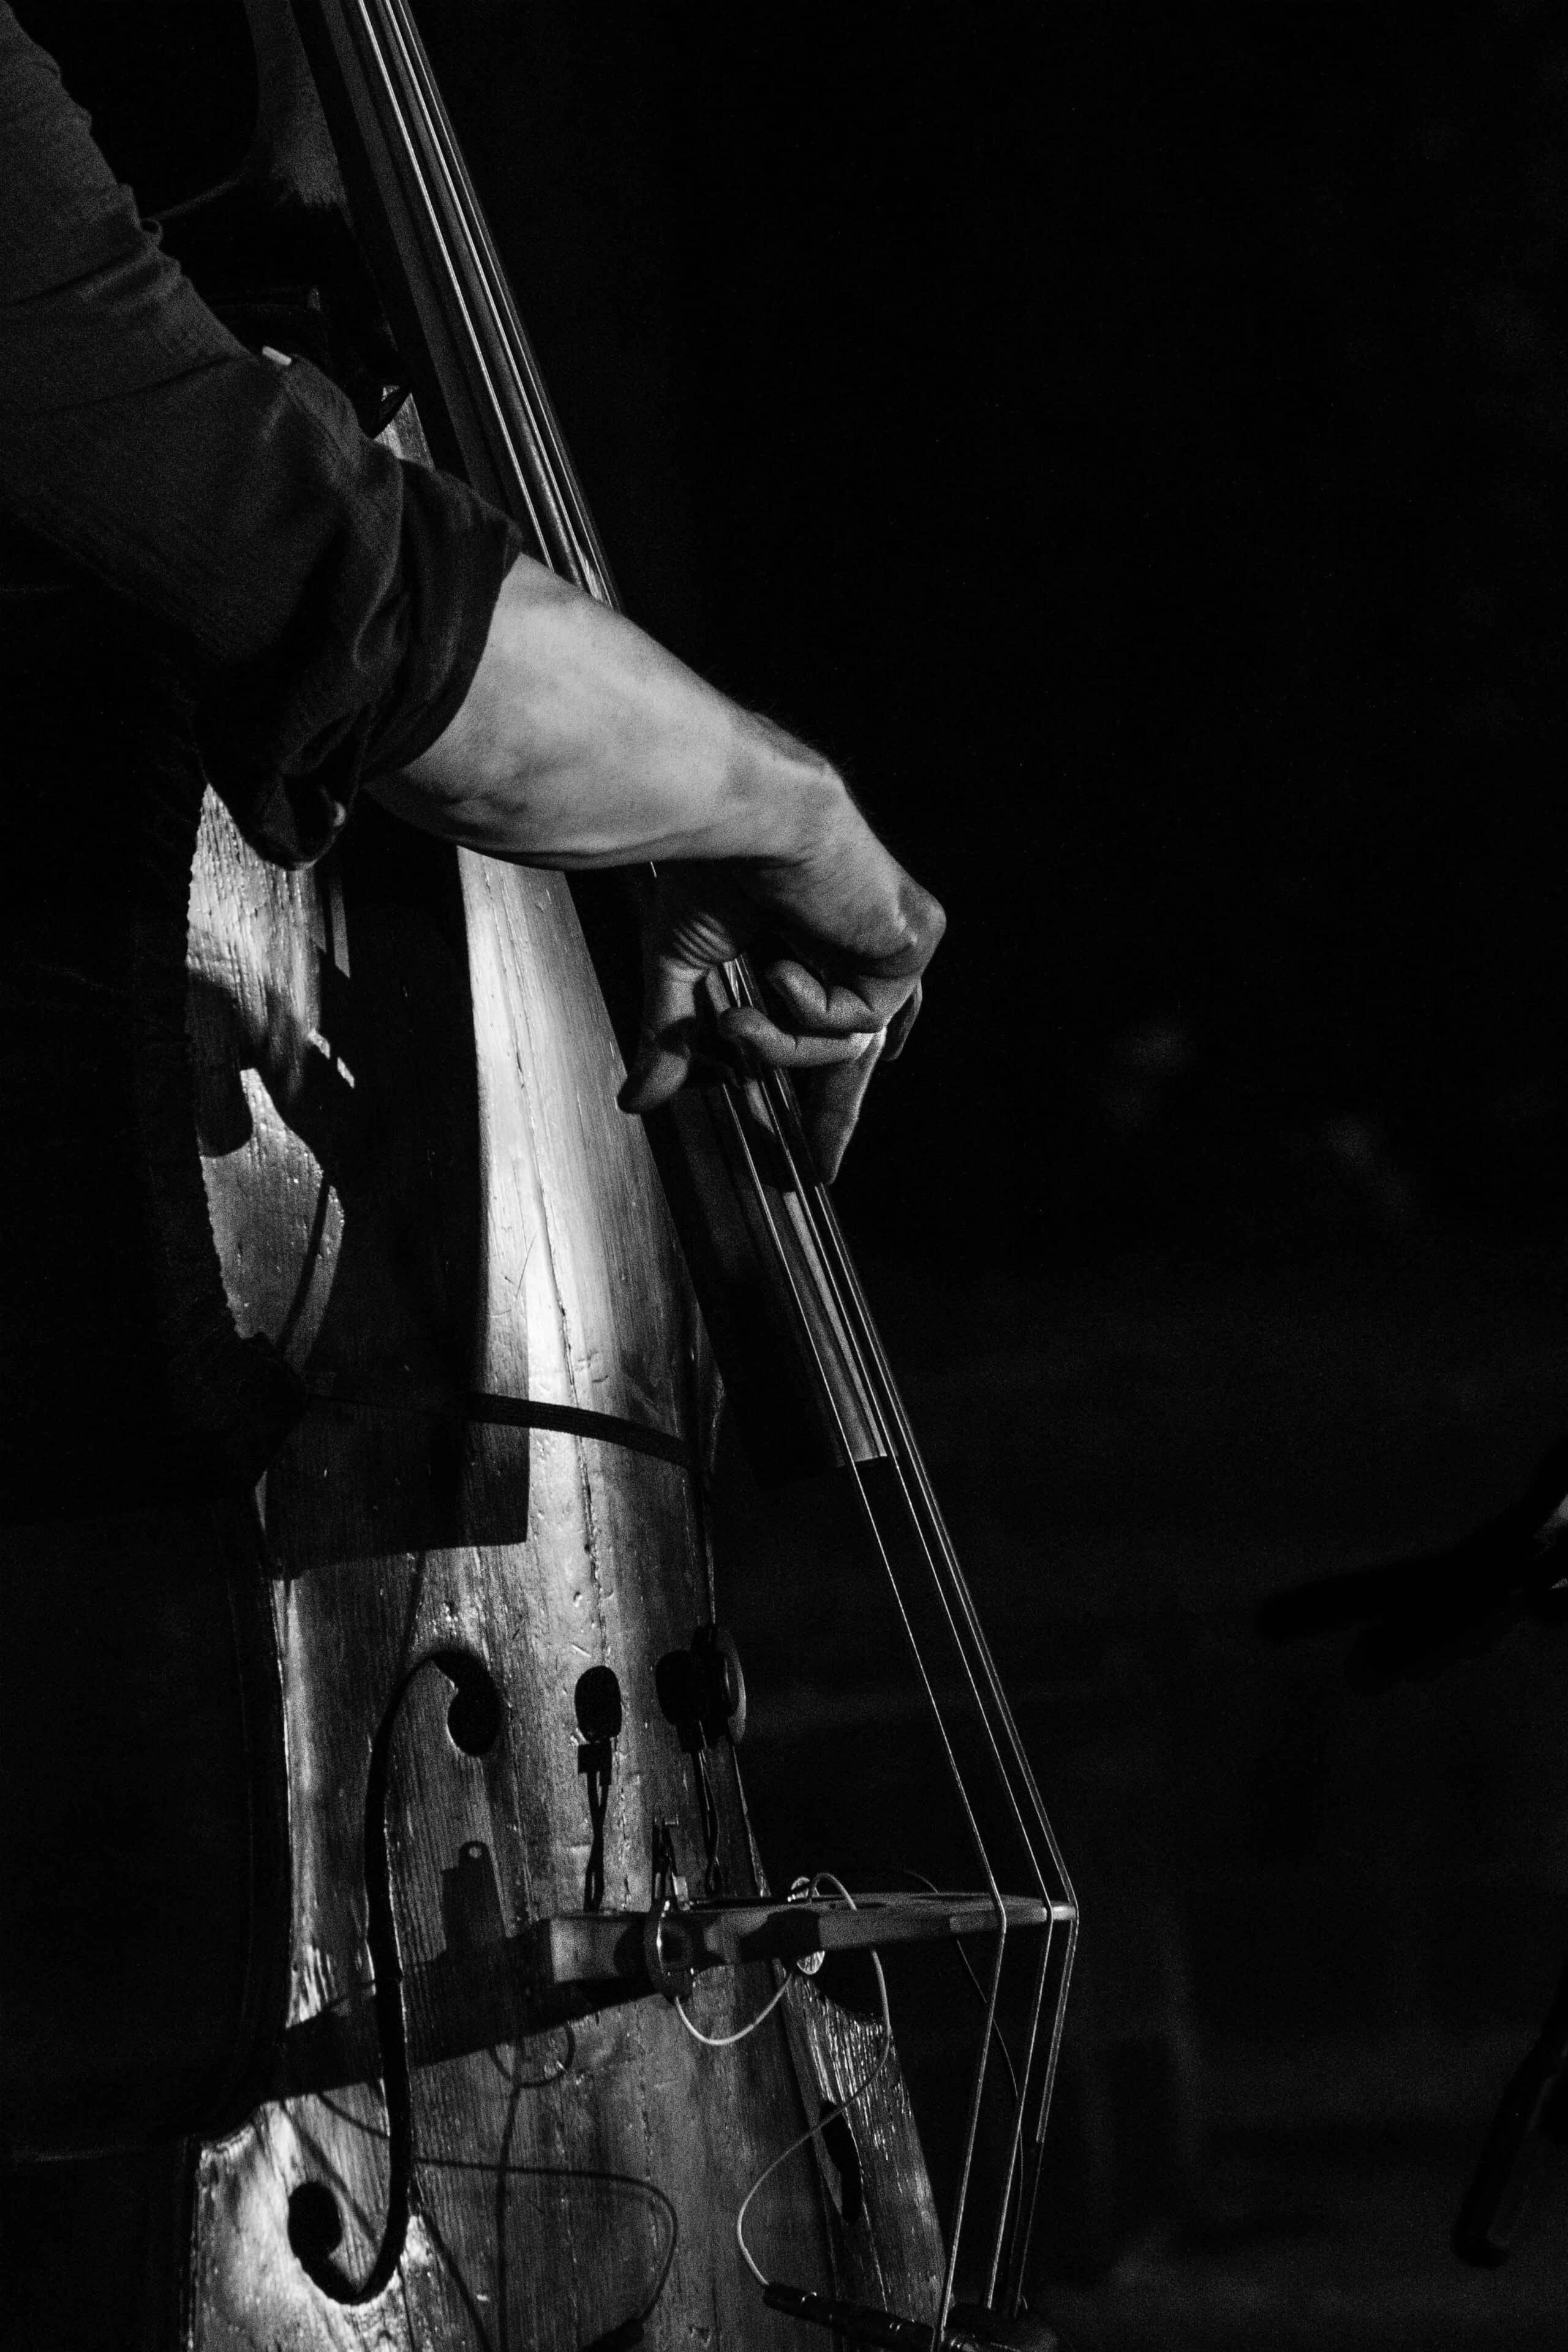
1134,441
1134,445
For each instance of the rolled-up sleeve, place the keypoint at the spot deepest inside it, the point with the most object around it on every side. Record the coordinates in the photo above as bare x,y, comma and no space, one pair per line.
335,600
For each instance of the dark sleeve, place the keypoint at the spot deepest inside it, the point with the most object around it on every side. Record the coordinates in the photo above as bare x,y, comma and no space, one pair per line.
334,600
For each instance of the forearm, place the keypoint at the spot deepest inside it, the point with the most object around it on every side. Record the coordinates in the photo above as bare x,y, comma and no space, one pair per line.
580,742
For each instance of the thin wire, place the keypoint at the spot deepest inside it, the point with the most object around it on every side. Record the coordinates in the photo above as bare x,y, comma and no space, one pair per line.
723,2040
514,2171
815,2131
967,1965
519,2082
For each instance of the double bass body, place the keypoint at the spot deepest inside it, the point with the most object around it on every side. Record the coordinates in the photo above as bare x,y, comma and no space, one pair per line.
431,1192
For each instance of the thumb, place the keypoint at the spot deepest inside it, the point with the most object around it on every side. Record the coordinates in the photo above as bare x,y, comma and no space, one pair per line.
667,1041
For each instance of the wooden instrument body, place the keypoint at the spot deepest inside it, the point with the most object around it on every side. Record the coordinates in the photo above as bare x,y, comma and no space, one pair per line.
382,997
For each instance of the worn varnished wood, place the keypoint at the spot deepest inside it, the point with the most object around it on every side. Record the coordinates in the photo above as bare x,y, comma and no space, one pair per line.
893,2258
536,2227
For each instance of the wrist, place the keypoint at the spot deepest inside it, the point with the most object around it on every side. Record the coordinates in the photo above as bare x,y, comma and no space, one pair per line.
782,802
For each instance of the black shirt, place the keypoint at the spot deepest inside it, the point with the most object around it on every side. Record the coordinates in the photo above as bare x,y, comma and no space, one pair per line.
195,541
332,600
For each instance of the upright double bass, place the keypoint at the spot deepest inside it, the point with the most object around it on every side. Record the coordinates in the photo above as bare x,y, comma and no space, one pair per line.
513,2043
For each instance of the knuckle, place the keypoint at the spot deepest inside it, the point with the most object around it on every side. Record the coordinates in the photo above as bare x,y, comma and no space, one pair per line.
932,918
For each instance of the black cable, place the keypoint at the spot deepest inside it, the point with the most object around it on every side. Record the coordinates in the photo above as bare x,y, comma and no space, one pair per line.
536,2082
507,2170
475,1719
310,2229
596,1771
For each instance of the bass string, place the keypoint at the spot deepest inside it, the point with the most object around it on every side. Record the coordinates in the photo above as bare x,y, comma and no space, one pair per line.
924,1512
868,1507
860,1328
870,1364
438,147
955,1771
573,544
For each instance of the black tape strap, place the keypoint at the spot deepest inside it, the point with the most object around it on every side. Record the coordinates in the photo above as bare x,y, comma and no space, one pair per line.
419,1401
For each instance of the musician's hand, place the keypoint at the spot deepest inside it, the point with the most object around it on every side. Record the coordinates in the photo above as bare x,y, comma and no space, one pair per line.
838,935
582,743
